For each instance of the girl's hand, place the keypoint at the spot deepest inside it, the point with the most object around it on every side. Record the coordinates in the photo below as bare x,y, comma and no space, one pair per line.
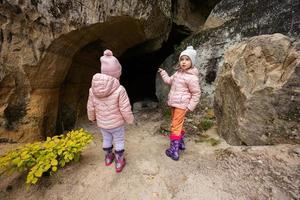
159,70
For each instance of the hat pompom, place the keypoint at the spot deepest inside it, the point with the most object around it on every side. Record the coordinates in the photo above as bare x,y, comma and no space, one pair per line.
190,47
107,52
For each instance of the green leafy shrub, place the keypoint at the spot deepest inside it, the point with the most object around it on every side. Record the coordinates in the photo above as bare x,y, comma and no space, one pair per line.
45,157
167,113
206,124
213,141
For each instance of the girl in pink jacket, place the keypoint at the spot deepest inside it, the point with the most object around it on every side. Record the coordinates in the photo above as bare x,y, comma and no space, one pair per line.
108,104
183,96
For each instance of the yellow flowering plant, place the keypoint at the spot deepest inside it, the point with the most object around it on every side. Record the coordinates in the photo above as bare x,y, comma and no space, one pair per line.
41,157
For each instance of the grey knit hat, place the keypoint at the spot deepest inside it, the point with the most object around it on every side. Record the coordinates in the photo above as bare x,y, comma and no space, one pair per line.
191,53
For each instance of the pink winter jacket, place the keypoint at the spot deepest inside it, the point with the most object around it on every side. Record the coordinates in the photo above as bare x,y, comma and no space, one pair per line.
108,102
185,90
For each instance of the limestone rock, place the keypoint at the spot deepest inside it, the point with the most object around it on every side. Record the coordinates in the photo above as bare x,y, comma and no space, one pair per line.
257,98
38,40
191,15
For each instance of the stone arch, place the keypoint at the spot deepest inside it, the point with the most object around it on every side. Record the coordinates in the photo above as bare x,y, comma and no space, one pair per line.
46,78
118,34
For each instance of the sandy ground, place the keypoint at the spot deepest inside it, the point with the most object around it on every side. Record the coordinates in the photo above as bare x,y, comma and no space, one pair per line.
204,172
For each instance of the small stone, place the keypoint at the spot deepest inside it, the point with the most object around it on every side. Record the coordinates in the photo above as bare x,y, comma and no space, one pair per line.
277,173
189,120
285,179
259,161
296,151
145,116
292,98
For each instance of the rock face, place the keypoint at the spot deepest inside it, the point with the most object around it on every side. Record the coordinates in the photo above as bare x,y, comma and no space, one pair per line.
192,14
257,96
38,40
230,22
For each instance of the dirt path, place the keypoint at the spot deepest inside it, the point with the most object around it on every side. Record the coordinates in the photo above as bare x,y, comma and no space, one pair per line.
203,171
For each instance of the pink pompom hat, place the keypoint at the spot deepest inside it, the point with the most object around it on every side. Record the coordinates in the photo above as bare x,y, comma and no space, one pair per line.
110,64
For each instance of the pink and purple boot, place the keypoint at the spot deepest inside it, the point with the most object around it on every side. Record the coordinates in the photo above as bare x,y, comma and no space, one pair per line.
181,141
120,161
173,151
109,156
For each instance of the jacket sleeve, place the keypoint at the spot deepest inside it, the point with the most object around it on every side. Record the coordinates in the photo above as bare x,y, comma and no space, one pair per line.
166,78
194,88
91,107
125,107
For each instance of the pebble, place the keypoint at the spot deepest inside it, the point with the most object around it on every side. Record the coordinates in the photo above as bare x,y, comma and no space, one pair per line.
189,120
296,151
277,173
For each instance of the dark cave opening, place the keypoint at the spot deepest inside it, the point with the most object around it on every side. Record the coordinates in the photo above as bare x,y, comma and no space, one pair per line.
203,7
138,76
140,69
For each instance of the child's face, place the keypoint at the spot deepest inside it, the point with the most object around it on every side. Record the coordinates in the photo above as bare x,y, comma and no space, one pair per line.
185,62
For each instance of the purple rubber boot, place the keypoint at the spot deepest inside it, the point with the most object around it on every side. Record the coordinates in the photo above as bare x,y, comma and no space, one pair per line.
120,161
181,142
109,156
173,151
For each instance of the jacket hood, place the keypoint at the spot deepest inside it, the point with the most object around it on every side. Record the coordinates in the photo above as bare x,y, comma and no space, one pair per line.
192,70
104,85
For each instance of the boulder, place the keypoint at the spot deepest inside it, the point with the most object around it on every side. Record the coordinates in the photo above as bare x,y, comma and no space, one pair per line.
257,96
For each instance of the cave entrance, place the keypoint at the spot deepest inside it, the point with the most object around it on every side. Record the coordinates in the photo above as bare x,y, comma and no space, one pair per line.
139,69
140,65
